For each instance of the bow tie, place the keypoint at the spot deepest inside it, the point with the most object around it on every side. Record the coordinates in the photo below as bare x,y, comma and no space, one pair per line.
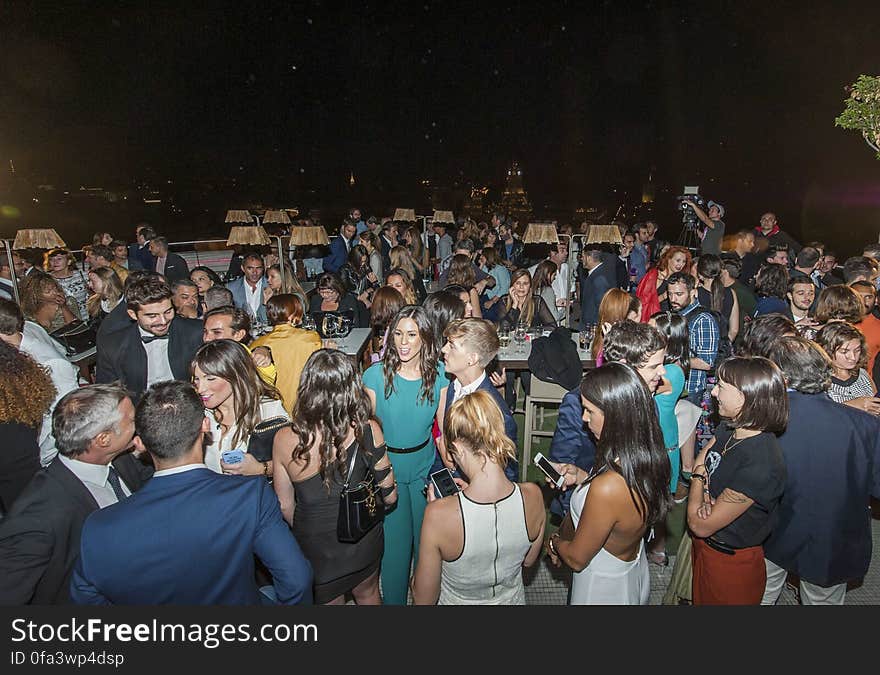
147,339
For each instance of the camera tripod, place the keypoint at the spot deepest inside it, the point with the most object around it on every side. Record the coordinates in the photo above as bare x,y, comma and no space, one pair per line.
688,237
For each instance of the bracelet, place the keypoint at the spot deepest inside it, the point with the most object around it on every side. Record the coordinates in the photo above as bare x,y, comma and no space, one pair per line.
699,476
552,546
266,473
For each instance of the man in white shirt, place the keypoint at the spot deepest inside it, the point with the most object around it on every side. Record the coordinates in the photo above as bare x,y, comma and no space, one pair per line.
39,539
33,340
247,291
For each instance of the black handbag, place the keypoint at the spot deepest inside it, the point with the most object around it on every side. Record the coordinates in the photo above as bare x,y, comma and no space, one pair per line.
76,337
361,507
263,436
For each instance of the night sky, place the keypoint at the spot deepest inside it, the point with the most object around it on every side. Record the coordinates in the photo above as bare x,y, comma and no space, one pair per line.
587,96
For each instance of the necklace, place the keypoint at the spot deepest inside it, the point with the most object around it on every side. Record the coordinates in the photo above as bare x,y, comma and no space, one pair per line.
731,447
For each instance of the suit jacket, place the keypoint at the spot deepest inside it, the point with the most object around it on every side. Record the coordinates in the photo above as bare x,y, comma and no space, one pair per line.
117,319
175,267
39,538
832,464
338,255
512,468
140,258
571,443
239,297
190,539
121,354
593,289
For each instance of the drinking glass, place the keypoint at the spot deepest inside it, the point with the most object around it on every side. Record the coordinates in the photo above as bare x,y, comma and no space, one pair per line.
519,336
308,322
503,337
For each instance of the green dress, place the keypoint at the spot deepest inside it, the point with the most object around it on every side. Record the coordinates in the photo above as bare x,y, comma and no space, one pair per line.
407,422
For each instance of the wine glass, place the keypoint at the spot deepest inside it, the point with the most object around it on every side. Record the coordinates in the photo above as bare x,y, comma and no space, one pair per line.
504,337
308,322
519,336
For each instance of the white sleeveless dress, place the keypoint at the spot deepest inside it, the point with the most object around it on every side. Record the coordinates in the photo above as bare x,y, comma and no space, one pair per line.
489,569
608,580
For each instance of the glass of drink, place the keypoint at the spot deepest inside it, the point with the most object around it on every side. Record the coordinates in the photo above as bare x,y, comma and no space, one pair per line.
504,337
519,336
583,340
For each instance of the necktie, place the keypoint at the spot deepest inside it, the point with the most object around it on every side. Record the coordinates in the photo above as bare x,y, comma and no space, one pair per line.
147,339
115,483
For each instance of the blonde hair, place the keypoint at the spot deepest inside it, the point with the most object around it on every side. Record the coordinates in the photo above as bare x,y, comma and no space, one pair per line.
401,258
476,422
111,293
477,335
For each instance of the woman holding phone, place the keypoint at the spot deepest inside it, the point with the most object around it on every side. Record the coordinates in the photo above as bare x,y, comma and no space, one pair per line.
475,543
236,400
614,505
737,484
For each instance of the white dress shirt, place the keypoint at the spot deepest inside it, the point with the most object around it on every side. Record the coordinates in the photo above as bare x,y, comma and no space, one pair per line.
158,366
459,390
36,343
95,478
220,443
254,297
178,469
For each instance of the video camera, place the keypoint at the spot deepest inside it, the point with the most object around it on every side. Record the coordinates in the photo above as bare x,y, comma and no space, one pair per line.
688,215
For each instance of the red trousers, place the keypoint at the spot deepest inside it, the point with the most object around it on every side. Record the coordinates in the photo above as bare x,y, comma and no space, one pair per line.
722,579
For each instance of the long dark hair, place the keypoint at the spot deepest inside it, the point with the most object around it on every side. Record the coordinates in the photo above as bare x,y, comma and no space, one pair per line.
331,399
230,361
427,358
675,327
709,267
631,443
443,307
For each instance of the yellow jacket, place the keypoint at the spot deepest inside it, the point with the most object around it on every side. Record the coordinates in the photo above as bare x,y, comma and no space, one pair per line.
291,348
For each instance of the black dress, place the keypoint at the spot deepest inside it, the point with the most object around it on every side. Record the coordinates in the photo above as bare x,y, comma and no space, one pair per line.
337,567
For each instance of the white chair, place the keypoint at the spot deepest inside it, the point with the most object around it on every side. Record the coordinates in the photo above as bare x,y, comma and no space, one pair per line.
541,393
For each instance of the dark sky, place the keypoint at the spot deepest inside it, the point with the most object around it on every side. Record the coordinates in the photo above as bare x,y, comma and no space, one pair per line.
585,95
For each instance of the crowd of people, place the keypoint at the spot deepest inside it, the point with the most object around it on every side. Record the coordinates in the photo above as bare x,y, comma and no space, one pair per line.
210,454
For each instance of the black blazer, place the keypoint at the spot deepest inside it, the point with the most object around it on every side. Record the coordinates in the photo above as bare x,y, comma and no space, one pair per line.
175,267
117,319
346,302
593,289
121,355
39,538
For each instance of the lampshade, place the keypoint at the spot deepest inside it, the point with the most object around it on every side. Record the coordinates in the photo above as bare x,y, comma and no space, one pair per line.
444,217
239,216
600,234
541,233
249,235
276,217
308,235
408,215
38,238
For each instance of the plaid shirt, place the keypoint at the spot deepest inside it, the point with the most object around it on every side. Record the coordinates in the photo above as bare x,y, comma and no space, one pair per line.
704,338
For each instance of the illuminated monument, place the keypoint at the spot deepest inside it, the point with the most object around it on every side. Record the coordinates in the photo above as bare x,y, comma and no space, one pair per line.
514,200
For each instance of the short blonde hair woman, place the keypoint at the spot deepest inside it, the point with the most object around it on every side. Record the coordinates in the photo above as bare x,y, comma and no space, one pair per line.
474,544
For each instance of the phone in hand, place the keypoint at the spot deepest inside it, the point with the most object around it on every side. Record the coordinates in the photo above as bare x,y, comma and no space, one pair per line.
444,485
232,456
544,465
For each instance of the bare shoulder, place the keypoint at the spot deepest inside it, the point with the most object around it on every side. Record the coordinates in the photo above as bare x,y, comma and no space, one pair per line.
532,495
609,485
376,429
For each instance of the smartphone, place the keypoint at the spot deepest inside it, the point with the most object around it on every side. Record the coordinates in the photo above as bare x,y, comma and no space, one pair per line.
544,465
232,456
444,485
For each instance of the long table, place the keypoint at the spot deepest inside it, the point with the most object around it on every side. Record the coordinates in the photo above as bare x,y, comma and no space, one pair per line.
355,343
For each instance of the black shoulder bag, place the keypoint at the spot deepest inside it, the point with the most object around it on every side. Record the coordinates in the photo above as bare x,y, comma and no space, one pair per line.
360,507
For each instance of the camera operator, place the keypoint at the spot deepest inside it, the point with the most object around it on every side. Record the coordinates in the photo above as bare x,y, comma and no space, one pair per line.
714,231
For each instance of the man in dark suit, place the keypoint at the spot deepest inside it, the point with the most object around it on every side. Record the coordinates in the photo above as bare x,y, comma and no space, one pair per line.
247,291
190,536
39,538
832,464
387,241
597,278
168,264
139,256
339,247
156,346
470,345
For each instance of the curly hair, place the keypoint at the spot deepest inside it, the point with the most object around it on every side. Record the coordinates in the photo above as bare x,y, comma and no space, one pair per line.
839,303
331,400
663,262
26,390
835,334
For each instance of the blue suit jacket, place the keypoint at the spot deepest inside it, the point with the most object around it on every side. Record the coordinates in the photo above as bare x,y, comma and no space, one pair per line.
571,443
512,468
832,464
337,257
240,298
190,539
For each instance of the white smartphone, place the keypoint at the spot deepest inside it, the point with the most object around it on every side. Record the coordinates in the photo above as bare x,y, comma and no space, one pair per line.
544,465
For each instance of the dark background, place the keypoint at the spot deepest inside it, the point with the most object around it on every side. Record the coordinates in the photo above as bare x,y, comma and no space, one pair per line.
278,104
